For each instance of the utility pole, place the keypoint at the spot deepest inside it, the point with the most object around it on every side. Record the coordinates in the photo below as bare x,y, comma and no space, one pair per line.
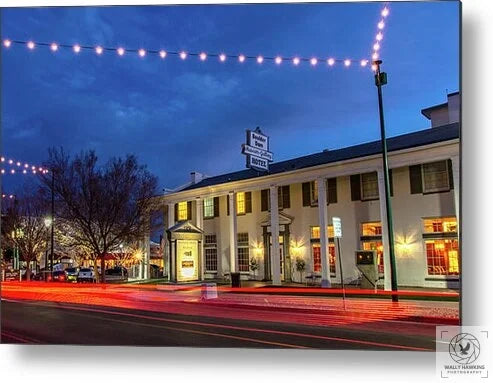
381,79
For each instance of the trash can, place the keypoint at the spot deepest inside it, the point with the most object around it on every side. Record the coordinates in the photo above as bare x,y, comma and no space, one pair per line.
235,280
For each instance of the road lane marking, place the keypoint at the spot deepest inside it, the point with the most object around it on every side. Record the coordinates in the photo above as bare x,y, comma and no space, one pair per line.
231,327
22,339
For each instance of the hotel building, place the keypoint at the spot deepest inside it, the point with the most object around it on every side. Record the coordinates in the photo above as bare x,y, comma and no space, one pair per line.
275,220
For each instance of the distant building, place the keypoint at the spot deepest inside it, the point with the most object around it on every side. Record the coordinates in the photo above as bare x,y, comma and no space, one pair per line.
216,225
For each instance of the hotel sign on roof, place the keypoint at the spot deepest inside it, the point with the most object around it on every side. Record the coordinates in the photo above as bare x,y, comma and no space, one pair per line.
256,150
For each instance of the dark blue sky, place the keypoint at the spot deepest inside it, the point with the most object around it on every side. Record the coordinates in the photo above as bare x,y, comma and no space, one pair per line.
183,116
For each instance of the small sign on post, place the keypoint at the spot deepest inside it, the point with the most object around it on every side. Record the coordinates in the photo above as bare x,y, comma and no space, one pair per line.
256,150
337,225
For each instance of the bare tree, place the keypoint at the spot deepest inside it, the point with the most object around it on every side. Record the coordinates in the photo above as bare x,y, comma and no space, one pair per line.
101,206
23,226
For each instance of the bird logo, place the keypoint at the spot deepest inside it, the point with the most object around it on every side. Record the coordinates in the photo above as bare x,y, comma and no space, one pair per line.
464,348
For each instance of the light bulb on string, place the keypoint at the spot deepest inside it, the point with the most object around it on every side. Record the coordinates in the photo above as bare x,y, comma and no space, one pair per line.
260,59
331,61
296,61
120,51
222,57
203,56
99,50
313,61
183,55
142,52
162,54
385,12
381,25
30,45
364,63
278,60
76,48
376,46
379,36
241,58
347,62
7,43
54,47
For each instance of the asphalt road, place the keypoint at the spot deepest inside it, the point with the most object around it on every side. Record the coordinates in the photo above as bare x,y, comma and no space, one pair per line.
36,322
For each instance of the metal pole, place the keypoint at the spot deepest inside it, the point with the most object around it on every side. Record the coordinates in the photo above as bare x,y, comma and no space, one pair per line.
52,239
381,79
342,275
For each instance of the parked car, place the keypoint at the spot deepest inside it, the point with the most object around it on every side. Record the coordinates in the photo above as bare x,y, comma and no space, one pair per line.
71,274
116,275
86,275
58,276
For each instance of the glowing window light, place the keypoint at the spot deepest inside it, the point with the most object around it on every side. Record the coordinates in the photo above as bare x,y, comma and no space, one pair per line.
183,55
376,46
76,48
222,57
260,59
162,54
385,12
379,36
296,61
54,47
278,60
364,62
120,51
331,61
142,52
347,62
7,43
99,50
203,56
30,45
381,25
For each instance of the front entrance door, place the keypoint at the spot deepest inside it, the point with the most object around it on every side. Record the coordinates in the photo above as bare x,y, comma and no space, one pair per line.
281,254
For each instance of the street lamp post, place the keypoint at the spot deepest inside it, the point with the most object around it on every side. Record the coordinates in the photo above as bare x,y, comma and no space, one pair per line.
52,239
381,79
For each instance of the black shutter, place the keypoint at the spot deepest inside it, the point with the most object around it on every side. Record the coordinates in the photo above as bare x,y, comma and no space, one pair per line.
189,210
355,187
227,204
216,206
176,212
264,200
286,197
450,174
391,183
332,190
306,193
248,202
415,179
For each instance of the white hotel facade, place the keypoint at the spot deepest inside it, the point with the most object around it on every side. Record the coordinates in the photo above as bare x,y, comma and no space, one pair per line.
217,225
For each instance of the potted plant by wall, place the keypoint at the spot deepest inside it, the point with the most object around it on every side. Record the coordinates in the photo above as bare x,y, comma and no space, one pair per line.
300,267
254,266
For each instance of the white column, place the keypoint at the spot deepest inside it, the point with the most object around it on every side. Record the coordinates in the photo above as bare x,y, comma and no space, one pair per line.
170,223
147,257
199,219
323,222
233,234
456,176
385,232
275,260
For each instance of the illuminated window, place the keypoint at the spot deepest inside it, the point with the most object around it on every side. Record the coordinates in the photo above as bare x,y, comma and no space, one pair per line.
240,203
440,225
315,232
210,247
371,229
442,257
317,258
182,211
369,186
208,207
243,252
435,176
378,247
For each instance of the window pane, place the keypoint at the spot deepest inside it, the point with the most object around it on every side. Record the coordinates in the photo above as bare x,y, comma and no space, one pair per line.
313,193
332,258
242,239
435,176
440,225
317,261
208,207
211,259
442,257
240,203
371,229
369,185
315,232
182,211
243,258
378,247
210,239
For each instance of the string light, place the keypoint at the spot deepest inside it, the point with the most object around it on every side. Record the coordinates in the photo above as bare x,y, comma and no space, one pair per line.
364,62
183,55
23,167
379,37
347,62
385,12
381,25
9,196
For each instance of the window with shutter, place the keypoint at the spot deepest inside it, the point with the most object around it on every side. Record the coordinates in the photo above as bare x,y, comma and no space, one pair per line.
248,202
216,206
435,177
332,190
415,179
189,210
286,197
264,200
369,186
208,207
306,193
355,187
182,211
